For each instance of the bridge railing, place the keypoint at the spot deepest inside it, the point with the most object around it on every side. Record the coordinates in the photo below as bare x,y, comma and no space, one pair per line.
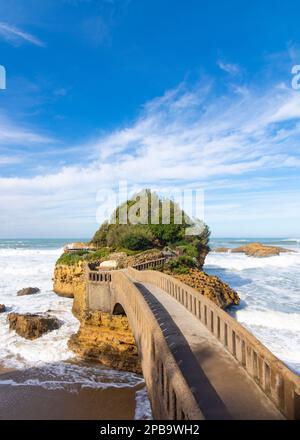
171,397
99,276
279,383
152,264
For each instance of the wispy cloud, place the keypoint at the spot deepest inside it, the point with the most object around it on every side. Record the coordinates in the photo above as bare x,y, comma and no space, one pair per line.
232,69
188,137
15,35
15,134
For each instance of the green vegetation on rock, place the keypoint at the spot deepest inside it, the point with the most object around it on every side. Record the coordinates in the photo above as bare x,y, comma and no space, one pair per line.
182,264
145,234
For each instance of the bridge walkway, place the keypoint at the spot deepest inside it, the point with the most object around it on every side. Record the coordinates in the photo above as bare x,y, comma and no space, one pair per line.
220,385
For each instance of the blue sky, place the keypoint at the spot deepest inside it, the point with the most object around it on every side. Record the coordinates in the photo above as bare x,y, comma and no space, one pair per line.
161,93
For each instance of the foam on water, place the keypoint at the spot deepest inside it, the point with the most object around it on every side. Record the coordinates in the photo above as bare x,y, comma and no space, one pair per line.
270,292
47,362
22,268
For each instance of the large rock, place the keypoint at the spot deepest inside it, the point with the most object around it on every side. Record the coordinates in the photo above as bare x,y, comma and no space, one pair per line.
32,326
70,282
222,249
109,265
108,340
259,250
120,258
2,308
210,286
28,291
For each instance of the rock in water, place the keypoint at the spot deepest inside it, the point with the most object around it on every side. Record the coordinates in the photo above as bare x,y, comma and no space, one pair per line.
28,291
221,249
2,308
32,326
259,250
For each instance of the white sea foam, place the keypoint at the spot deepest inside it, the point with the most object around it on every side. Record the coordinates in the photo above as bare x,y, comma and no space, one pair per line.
270,319
143,409
22,268
236,261
72,377
270,292
44,362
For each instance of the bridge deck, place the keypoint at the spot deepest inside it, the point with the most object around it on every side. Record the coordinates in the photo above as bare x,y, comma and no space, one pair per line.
222,387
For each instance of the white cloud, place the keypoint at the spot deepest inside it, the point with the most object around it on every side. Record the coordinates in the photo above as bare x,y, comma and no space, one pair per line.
13,133
232,69
187,137
15,35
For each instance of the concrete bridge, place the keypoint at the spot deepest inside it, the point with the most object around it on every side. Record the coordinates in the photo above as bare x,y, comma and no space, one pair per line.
198,362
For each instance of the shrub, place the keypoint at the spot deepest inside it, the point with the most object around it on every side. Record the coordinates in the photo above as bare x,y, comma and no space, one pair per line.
71,259
98,254
140,237
182,264
132,237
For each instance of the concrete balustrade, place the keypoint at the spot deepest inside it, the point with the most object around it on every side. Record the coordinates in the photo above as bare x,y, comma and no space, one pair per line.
171,397
99,276
152,264
279,383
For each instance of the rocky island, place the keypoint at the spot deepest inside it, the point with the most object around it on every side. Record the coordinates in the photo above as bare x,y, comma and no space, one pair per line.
108,339
255,250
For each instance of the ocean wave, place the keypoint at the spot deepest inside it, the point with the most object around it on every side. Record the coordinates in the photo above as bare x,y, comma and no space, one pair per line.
72,378
241,262
270,319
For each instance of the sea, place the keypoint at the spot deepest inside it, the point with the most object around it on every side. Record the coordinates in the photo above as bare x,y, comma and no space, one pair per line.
47,363
269,289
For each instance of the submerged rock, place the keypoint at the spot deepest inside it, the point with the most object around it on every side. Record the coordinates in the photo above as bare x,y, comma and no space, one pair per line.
259,250
28,291
210,286
32,326
2,308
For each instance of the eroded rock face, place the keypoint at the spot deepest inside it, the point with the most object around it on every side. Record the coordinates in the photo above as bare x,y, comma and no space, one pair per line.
2,308
107,340
32,326
70,282
210,286
259,250
28,291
